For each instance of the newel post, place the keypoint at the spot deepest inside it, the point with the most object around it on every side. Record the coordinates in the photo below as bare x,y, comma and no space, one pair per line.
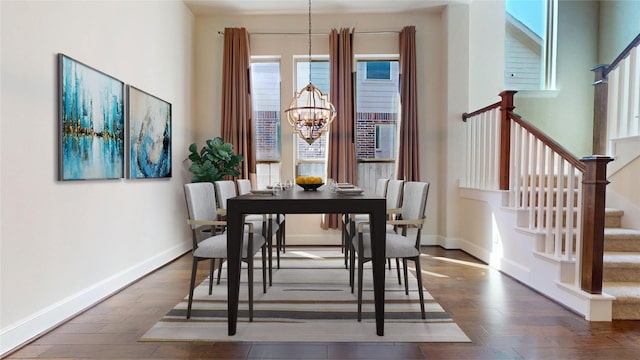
594,187
506,106
600,103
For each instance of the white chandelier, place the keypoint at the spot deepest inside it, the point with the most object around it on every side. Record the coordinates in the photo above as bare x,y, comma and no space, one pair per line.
310,112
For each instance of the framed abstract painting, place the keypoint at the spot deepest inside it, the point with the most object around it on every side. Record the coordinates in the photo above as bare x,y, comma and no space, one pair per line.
91,122
149,135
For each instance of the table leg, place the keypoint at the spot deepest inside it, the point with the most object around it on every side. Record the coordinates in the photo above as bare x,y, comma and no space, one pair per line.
234,244
378,245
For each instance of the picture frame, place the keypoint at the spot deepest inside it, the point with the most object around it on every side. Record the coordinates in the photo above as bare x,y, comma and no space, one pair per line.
91,122
149,136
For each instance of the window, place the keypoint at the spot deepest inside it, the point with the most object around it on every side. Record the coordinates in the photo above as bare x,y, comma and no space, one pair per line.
377,117
378,70
530,44
311,159
377,107
265,91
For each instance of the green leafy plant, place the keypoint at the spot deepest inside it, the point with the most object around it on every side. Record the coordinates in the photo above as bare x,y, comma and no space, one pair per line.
214,161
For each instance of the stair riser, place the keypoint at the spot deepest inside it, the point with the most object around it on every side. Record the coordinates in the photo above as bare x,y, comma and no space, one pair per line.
554,197
553,218
627,311
614,274
627,245
612,221
536,180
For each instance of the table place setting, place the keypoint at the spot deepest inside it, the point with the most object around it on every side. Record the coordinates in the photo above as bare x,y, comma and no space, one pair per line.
353,190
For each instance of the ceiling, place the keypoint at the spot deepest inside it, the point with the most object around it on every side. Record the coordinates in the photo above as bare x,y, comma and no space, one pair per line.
284,7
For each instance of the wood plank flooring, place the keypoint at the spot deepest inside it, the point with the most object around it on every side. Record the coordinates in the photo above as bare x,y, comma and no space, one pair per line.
503,318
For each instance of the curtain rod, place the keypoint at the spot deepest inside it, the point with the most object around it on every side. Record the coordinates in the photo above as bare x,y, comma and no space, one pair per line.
318,34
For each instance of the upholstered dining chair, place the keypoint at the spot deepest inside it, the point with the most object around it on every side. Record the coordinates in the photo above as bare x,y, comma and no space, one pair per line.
398,245
226,189
348,225
244,187
201,209
394,200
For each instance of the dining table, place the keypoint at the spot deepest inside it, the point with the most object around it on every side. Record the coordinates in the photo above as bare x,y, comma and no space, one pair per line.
298,201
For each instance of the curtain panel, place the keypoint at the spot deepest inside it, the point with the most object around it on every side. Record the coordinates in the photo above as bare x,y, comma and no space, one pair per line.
236,112
341,166
408,161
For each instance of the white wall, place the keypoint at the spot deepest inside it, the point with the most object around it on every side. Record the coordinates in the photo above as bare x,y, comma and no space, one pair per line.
209,47
65,245
619,25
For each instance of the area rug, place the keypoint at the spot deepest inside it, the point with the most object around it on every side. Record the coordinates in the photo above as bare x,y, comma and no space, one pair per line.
310,301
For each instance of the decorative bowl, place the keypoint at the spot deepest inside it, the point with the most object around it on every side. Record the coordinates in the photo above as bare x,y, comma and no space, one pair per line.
310,187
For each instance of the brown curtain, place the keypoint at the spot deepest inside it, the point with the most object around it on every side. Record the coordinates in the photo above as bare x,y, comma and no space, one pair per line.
408,161
236,113
341,165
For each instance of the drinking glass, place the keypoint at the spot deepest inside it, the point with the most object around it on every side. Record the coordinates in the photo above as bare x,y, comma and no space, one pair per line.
276,189
288,184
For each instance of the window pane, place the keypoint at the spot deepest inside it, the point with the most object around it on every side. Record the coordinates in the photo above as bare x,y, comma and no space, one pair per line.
377,104
311,158
378,70
265,91
525,44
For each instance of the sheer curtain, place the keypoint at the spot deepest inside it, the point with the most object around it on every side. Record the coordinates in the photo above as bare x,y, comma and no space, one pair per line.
341,165
236,113
408,161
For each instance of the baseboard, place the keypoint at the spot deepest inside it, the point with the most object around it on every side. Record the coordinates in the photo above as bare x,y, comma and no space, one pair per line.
16,335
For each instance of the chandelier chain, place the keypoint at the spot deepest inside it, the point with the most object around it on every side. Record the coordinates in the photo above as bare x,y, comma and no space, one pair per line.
309,41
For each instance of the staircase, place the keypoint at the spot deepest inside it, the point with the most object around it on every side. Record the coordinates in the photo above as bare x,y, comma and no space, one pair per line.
621,274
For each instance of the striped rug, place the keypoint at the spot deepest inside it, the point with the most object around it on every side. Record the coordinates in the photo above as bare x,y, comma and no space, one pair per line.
310,301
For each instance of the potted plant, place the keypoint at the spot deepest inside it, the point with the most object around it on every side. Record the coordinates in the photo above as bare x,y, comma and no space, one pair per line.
214,161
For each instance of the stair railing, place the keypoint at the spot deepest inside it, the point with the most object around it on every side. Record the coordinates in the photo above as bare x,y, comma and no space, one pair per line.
617,98
561,196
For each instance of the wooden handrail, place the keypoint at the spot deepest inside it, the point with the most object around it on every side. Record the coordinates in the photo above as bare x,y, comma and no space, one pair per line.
635,42
562,151
465,116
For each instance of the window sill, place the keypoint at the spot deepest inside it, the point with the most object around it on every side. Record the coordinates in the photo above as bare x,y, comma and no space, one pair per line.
537,93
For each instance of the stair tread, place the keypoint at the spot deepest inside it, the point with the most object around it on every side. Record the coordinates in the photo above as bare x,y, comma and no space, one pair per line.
622,290
619,258
622,232
613,212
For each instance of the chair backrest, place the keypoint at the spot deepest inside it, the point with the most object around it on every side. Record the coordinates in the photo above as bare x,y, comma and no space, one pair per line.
394,194
244,186
381,187
201,201
225,189
414,201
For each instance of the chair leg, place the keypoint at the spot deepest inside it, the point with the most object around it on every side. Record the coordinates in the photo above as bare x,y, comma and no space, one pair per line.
398,270
284,233
250,283
264,268
420,291
278,245
194,269
352,266
212,267
269,238
360,276
406,273
220,261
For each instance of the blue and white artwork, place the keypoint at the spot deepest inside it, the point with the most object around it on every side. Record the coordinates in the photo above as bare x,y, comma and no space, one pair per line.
91,123
149,135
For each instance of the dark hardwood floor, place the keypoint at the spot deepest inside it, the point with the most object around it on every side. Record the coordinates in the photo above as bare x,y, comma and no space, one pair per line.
503,318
